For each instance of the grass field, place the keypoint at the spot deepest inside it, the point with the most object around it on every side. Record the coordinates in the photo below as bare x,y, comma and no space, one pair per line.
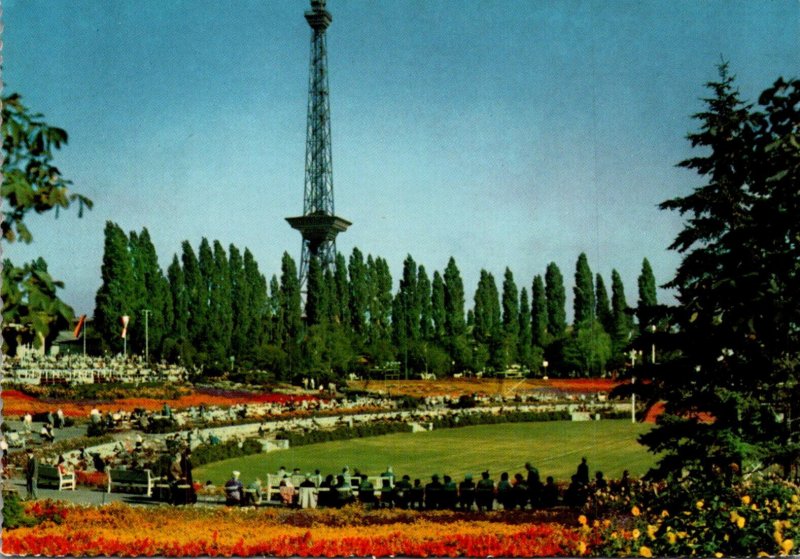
555,448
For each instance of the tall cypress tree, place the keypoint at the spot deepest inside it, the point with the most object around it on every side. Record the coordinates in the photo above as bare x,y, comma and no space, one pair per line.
510,316
240,298
259,308
409,300
382,301
157,300
621,318
425,304
291,314
487,321
290,300
437,306
205,261
524,338
138,297
359,294
647,294
220,309
115,293
556,301
453,300
316,295
331,301
538,313
603,310
180,300
584,304
342,311
197,296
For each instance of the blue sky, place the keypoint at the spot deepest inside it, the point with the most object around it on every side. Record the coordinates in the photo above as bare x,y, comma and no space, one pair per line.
500,132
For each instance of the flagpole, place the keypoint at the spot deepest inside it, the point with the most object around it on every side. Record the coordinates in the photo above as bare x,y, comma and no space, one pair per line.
84,339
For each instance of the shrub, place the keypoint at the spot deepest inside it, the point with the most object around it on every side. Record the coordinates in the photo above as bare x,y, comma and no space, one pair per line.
697,518
13,514
207,453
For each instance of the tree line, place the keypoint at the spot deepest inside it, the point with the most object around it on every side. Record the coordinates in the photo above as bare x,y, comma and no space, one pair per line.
215,310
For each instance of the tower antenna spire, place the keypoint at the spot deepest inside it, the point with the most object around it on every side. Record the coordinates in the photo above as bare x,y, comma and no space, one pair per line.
319,223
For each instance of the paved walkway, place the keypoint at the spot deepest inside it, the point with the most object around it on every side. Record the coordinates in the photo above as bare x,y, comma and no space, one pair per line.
87,496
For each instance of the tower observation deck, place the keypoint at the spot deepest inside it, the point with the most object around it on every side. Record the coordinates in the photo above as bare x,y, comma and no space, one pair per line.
319,223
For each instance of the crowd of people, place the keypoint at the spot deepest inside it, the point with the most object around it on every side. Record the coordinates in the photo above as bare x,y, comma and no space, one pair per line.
523,490
34,368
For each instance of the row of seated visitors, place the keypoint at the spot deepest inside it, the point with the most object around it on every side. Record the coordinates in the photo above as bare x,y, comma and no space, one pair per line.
440,493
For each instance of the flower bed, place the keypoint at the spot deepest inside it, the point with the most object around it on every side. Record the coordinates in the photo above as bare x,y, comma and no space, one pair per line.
16,403
199,531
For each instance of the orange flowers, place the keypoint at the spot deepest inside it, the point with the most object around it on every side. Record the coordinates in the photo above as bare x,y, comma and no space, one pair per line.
193,531
18,403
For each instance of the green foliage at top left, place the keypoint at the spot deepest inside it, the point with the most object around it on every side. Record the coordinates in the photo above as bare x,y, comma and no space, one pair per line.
32,311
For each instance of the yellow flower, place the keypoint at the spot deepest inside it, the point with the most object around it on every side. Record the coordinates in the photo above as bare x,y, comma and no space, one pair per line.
671,538
699,504
763,554
582,520
596,524
740,522
718,554
606,523
734,516
581,548
754,506
787,546
746,500
795,499
651,531
664,513
635,534
645,551
635,511
778,537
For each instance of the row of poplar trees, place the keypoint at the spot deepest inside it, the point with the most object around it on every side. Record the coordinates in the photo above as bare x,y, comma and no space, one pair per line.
214,310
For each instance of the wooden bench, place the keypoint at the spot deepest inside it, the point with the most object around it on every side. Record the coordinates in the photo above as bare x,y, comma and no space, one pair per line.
130,479
50,475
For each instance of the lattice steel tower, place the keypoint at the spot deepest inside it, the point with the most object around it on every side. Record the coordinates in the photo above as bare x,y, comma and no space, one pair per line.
318,225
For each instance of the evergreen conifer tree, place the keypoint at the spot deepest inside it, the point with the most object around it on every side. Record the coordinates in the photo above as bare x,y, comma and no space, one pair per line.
539,313
584,303
113,299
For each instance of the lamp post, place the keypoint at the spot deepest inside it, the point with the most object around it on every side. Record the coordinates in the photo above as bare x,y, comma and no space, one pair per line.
146,335
545,364
633,381
653,346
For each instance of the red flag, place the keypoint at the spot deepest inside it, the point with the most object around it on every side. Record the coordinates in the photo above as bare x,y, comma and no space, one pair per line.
125,325
79,327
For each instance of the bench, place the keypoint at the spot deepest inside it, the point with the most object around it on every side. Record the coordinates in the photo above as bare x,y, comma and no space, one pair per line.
130,479
50,475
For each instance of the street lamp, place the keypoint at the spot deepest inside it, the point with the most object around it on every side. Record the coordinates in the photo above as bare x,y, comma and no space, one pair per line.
545,364
633,381
146,335
653,346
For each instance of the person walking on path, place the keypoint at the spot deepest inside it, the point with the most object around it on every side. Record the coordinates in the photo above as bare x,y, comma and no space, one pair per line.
31,473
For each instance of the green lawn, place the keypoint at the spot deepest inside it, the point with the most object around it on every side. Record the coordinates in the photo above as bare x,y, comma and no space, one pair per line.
555,448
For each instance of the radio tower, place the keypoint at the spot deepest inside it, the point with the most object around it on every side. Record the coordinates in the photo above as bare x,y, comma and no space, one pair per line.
318,225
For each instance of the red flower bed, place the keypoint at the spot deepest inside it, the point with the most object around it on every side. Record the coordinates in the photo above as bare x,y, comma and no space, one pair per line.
18,403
